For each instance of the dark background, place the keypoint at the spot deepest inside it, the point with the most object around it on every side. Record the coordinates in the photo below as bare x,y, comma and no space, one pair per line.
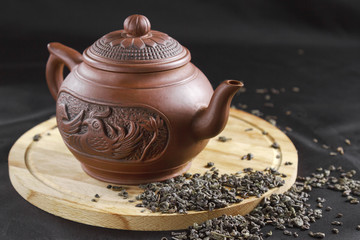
314,45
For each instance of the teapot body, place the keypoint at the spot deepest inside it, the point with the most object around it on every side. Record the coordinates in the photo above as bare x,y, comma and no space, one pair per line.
132,128
133,108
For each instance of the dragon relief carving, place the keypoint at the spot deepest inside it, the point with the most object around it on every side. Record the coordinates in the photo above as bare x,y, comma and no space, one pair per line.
117,133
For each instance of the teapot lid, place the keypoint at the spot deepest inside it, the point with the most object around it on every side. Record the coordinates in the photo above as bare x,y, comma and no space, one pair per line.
136,48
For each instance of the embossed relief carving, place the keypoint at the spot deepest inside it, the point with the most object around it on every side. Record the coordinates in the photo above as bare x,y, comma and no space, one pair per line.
118,133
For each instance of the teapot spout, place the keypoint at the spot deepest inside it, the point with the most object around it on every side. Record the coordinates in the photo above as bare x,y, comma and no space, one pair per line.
210,121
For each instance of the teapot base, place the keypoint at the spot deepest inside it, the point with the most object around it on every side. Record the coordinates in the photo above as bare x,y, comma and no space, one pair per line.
134,178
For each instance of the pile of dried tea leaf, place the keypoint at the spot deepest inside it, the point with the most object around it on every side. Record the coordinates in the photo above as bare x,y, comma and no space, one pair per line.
208,191
289,210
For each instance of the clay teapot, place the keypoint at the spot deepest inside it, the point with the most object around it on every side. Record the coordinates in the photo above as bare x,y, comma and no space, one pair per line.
133,108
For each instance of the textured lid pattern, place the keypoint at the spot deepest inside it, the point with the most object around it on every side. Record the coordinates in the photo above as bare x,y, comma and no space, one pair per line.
118,46
136,44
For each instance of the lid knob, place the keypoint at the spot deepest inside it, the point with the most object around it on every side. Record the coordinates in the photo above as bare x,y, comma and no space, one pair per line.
137,25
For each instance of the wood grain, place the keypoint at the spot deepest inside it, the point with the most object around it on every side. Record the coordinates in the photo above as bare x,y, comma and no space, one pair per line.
46,174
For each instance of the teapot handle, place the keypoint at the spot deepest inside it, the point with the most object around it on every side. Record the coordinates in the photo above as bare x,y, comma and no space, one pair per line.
60,55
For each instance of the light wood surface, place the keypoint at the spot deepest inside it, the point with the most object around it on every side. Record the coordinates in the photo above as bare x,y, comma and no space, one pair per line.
46,174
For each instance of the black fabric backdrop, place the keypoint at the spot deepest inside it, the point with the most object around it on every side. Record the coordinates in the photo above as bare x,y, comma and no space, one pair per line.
257,42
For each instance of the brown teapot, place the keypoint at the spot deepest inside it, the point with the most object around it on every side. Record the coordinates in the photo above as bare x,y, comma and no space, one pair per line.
133,108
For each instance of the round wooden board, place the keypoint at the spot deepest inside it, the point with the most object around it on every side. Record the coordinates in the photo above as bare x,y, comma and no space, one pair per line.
46,174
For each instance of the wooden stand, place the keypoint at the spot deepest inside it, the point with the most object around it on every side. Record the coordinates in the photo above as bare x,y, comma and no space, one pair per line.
46,174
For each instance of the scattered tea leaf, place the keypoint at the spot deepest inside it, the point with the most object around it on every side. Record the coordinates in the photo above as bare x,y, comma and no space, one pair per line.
340,150
261,90
296,89
223,139
269,104
36,137
209,164
275,145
